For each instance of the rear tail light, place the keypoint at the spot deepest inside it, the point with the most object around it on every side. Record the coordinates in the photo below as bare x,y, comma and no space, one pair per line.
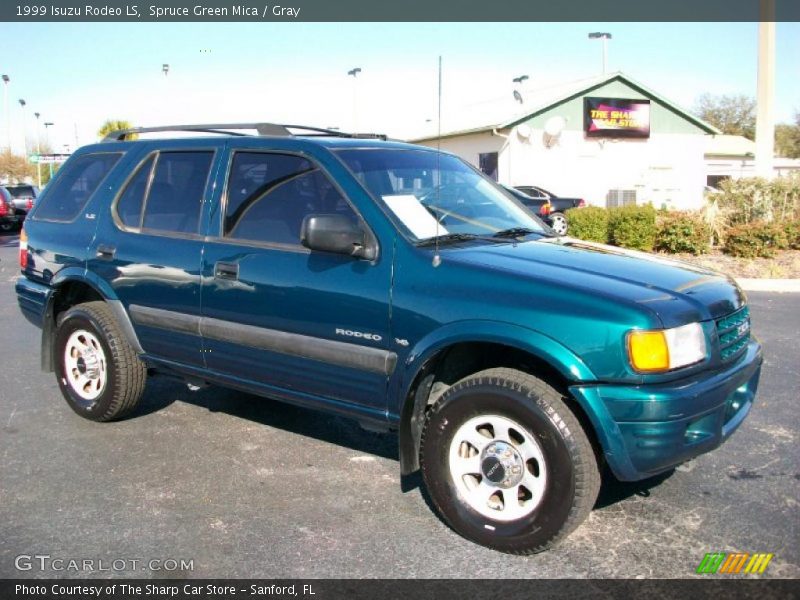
30,203
545,209
3,208
23,248
581,203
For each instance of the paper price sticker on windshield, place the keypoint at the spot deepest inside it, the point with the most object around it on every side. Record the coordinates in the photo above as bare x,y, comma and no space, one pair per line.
414,215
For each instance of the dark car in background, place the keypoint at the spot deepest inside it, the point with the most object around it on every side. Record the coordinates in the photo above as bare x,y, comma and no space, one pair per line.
8,214
23,197
550,207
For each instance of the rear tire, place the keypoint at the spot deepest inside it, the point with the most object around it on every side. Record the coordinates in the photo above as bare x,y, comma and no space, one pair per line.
558,223
99,373
506,463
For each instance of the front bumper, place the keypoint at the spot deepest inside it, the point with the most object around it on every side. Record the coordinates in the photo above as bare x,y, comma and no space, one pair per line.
647,429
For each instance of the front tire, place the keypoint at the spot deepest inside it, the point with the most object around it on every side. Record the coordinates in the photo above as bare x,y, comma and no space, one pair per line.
506,463
98,372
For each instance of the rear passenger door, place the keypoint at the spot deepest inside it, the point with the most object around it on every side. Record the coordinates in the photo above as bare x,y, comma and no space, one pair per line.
275,314
149,245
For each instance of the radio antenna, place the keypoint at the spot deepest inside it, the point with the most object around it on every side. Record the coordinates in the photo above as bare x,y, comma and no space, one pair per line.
437,260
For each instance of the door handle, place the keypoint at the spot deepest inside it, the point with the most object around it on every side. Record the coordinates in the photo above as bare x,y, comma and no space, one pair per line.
105,252
225,270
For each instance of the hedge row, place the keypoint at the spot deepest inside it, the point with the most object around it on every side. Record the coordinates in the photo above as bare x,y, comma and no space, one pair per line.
642,228
626,226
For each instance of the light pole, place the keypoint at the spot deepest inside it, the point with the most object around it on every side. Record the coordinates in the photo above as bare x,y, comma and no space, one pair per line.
517,82
354,73
47,126
165,69
22,105
6,80
38,151
605,36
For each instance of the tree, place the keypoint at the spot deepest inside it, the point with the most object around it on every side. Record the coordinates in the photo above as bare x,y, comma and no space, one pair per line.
15,168
787,138
733,115
115,125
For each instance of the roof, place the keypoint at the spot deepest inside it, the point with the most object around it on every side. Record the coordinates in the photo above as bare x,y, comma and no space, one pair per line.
730,145
506,113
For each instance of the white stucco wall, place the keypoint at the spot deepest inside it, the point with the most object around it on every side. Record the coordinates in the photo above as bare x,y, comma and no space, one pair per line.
665,169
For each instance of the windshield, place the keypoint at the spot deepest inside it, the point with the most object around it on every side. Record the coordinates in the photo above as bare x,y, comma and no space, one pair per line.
435,194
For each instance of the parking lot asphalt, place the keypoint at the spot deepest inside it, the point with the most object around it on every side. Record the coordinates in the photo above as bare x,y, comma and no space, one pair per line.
249,487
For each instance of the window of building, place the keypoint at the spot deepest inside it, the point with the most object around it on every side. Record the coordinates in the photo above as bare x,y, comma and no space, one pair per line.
487,162
176,192
270,194
75,183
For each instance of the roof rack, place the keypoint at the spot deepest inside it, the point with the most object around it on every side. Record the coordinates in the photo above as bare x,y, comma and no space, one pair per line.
262,129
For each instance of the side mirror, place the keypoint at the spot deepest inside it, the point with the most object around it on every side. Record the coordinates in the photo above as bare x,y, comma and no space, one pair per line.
337,234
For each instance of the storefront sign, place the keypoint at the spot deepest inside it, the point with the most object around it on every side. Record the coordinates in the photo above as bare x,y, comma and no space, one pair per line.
616,117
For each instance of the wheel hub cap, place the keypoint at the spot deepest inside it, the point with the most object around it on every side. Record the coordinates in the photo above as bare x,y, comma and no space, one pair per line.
497,467
502,464
85,366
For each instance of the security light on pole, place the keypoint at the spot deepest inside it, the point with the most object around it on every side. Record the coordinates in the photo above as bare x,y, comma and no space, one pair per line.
165,69
6,80
354,74
38,150
605,36
22,105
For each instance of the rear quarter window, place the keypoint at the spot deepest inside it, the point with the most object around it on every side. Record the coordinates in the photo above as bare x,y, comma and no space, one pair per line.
74,185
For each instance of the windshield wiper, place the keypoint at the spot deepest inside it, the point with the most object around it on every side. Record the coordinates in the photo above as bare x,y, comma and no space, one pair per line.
456,237
515,232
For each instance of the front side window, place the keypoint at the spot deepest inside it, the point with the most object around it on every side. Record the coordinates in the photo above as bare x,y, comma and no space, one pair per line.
435,194
75,183
270,194
175,195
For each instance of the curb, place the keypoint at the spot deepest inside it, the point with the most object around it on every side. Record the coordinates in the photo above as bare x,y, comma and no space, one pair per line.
769,285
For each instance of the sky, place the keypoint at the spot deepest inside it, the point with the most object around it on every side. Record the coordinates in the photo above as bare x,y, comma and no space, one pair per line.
78,75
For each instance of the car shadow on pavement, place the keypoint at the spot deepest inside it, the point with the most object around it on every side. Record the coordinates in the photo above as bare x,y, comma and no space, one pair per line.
162,392
612,490
9,239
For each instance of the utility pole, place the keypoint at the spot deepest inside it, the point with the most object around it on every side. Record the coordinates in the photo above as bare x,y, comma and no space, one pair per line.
765,96
38,152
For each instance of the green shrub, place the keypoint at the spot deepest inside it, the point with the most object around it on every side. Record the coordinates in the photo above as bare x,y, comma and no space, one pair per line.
682,232
589,223
755,239
632,226
792,231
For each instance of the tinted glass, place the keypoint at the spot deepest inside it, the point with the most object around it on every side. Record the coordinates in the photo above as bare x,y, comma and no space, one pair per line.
434,194
21,191
176,193
75,183
129,205
269,195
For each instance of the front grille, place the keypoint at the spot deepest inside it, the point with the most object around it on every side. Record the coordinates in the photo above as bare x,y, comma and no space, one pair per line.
734,333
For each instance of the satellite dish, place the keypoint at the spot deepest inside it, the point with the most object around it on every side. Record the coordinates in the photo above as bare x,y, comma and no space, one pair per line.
524,131
554,126
518,97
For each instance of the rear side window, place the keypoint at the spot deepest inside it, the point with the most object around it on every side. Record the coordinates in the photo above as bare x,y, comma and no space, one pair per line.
269,195
176,192
77,180
129,205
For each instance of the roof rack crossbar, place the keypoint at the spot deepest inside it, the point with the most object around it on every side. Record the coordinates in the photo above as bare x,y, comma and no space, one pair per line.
263,129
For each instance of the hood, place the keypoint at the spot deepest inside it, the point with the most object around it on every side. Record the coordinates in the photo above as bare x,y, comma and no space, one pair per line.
678,293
